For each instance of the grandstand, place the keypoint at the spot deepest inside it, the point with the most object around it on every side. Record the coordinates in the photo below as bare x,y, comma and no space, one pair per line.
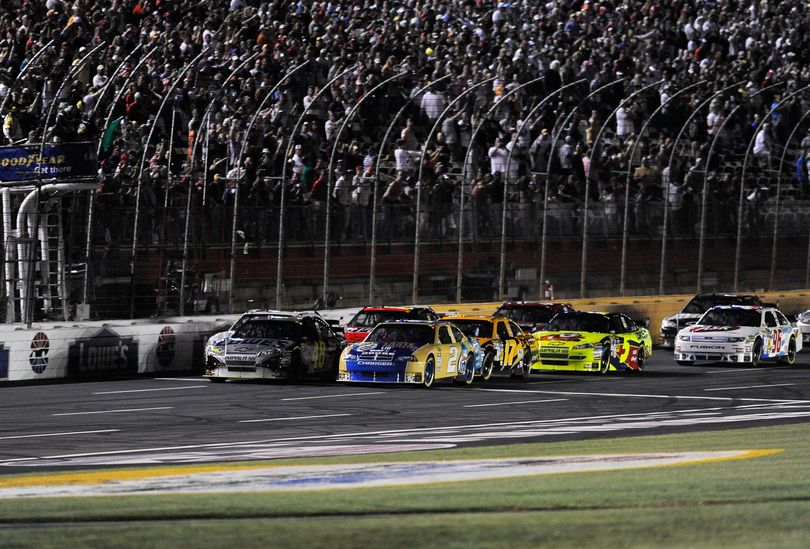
174,157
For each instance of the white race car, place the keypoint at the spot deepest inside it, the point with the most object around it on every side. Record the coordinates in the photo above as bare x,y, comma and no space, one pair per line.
739,334
803,323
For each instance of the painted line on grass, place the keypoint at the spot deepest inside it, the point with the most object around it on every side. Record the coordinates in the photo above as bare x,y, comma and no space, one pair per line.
149,390
335,396
65,434
517,402
291,418
750,387
114,411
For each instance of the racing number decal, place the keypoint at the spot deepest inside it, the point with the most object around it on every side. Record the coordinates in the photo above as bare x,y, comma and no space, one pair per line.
776,341
510,352
452,360
318,354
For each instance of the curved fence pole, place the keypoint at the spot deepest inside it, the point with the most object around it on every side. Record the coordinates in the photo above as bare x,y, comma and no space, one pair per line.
584,261
30,63
330,172
738,253
526,120
419,182
502,266
375,196
629,178
778,196
135,227
91,209
108,84
71,73
665,228
293,134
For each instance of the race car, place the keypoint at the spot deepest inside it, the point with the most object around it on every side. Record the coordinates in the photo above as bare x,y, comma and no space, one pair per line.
368,317
803,323
693,310
505,344
410,351
531,316
593,342
274,345
740,335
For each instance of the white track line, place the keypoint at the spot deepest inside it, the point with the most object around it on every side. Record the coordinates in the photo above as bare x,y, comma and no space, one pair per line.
290,418
750,387
518,402
631,395
150,390
335,396
62,434
114,411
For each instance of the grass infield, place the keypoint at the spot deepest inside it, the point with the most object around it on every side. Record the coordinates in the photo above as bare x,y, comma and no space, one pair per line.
760,502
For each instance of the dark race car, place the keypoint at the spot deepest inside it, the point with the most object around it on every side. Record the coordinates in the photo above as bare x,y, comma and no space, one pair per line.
273,345
531,316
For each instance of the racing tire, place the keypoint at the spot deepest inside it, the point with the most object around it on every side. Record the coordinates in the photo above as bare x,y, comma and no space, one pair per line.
604,362
790,358
469,372
217,379
756,353
526,364
488,366
295,368
642,358
429,373
331,373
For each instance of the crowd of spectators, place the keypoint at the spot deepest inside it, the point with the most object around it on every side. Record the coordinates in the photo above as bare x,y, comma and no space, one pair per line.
539,104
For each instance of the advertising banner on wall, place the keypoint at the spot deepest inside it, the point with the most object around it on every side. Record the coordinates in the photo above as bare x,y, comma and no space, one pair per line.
58,160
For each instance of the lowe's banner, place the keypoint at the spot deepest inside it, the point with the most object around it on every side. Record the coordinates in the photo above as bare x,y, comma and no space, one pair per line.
59,160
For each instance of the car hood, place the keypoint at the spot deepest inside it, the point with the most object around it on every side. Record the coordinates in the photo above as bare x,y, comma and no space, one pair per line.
700,332
682,319
383,351
566,339
240,345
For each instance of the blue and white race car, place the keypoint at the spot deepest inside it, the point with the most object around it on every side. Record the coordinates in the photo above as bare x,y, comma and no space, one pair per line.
409,351
739,334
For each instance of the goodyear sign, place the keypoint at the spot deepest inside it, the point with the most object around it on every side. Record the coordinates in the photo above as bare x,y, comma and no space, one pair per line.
61,161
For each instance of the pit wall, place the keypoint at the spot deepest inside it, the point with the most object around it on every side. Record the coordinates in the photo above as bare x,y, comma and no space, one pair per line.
49,351
161,346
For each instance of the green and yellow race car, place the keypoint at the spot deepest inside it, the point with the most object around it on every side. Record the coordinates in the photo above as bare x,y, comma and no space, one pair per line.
591,342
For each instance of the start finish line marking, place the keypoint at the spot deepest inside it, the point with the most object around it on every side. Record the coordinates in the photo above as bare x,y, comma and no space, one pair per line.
263,478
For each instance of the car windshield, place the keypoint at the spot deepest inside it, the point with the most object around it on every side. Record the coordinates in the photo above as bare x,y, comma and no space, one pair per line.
474,328
702,303
578,322
369,319
419,334
731,317
267,328
526,314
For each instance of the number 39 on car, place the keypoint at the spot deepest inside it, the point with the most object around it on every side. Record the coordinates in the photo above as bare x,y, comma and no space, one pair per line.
409,351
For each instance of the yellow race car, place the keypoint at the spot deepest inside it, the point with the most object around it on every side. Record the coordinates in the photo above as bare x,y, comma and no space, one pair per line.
592,342
504,343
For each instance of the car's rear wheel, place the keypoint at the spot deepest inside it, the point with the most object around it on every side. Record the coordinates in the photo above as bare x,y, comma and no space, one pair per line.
487,366
469,373
642,358
429,372
604,362
790,358
756,353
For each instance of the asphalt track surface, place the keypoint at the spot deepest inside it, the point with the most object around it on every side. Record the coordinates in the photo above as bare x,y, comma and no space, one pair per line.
184,420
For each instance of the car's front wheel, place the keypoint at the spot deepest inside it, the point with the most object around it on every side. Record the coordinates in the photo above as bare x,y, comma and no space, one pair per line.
604,362
642,358
429,372
756,353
